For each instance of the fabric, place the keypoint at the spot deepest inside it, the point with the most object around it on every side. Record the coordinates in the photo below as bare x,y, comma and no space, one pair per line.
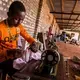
19,41
9,40
27,70
29,55
18,63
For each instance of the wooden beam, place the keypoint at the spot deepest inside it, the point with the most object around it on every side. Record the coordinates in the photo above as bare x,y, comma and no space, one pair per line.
52,5
77,23
65,13
62,8
73,10
67,19
66,23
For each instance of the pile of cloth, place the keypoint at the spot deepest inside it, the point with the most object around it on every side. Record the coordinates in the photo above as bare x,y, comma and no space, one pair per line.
74,64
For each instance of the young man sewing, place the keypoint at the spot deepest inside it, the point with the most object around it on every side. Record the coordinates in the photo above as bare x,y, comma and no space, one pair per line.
10,28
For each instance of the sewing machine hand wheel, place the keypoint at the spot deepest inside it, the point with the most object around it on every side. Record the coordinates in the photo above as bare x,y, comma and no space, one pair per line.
50,57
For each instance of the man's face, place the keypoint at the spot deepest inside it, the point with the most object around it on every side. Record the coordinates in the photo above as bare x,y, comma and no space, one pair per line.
16,19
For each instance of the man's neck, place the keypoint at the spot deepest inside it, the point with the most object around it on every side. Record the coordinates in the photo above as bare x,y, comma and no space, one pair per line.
9,23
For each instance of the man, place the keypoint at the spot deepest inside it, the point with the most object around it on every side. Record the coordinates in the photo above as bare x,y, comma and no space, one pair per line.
63,36
10,28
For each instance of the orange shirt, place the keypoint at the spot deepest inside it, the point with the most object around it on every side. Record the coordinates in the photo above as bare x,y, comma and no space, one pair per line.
9,37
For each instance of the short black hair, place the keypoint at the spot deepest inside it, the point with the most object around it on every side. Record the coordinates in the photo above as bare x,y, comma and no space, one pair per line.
16,6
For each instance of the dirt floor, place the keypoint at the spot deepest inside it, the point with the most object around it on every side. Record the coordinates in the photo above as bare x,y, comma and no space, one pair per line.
68,50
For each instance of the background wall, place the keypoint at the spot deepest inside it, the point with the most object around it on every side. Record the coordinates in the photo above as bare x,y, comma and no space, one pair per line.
44,20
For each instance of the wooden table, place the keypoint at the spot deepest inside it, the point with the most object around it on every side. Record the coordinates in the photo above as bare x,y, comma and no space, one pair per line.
72,70
61,72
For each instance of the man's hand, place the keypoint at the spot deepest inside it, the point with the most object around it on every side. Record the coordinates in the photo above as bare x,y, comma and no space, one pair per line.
34,47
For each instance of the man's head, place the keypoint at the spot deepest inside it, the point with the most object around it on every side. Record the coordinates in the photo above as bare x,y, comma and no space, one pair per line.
16,13
72,34
34,47
63,33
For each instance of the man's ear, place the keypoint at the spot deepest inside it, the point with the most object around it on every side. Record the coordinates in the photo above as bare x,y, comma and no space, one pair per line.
8,14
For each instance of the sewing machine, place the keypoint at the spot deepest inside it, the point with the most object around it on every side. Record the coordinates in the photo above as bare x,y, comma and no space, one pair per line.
45,69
